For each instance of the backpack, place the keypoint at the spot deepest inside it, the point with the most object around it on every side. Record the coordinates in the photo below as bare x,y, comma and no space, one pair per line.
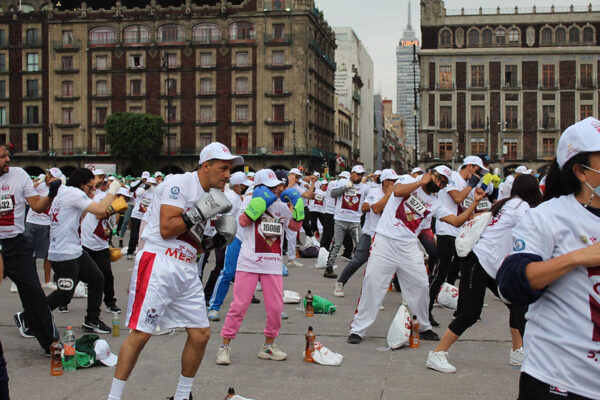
311,251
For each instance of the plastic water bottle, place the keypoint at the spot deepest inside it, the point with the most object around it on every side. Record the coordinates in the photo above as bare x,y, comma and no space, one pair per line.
116,326
69,360
310,345
230,393
309,311
414,339
56,367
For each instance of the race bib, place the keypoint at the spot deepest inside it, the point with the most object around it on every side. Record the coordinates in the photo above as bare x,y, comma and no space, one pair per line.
350,192
483,205
6,203
112,222
319,198
416,205
146,202
271,228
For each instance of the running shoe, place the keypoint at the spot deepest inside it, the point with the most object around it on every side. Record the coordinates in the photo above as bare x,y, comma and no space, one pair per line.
113,309
516,356
433,322
224,355
438,360
354,338
49,286
173,397
294,263
271,352
63,309
96,326
429,335
213,315
338,291
24,330
329,274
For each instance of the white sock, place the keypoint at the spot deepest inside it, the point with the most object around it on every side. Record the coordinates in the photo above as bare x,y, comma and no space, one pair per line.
184,387
116,390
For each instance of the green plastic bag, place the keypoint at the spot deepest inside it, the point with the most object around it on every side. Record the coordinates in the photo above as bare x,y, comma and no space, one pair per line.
321,305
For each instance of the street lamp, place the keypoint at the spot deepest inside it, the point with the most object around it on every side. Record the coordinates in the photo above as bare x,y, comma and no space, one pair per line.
488,147
294,143
165,64
416,106
51,136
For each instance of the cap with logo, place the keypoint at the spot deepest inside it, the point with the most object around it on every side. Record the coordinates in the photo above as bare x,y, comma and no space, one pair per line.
417,170
474,160
151,180
239,178
521,169
103,353
378,172
266,177
145,175
318,175
359,169
250,174
124,191
581,137
387,174
345,174
445,171
111,178
55,172
295,171
158,173
218,151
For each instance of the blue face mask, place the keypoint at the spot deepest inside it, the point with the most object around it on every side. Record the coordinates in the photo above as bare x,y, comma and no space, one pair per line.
596,189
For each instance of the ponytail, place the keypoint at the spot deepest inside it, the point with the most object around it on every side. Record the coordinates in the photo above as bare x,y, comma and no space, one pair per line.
563,182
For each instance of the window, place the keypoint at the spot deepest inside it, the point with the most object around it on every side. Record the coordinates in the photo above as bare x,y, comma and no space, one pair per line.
3,41
206,60
2,89
206,114
136,34
574,35
33,63
477,75
278,113
445,117
241,59
241,85
67,63
546,36
548,147
478,146
171,114
171,87
278,58
241,31
510,76
500,37
241,113
67,38
31,37
206,86
102,88
513,36
67,115
32,142
586,75
101,63
136,61
588,35
205,139
67,89
135,110
512,117
548,75
171,60
32,88
585,110
102,35
171,143
510,149
2,62
548,117
136,87
3,120
67,145
445,149
477,118
278,142
278,30
241,143
445,38
206,33
445,77
473,37
561,35
278,84
32,115
101,144
486,37
101,115
171,33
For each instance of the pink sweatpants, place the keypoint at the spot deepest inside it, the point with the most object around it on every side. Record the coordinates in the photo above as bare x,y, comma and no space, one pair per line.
243,290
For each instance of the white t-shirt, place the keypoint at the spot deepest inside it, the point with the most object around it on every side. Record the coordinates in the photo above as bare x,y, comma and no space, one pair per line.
245,202
562,339
495,243
65,216
95,232
262,241
15,187
143,198
329,201
403,217
42,218
505,187
318,203
347,207
153,207
371,219
456,183
180,191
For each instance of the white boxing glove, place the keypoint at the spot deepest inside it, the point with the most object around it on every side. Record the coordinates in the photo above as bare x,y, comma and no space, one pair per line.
114,187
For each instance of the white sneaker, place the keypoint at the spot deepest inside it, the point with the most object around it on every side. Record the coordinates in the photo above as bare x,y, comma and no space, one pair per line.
516,356
316,241
438,360
80,290
258,286
13,288
294,263
338,291
49,286
381,307
213,315
223,357
271,352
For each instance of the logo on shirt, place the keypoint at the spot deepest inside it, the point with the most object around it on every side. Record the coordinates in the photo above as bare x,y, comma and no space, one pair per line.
519,245
175,190
558,392
351,202
151,316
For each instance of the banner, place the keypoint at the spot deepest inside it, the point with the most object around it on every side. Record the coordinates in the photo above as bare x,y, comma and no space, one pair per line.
108,168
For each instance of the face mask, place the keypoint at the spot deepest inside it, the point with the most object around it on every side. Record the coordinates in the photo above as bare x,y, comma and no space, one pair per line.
431,187
596,190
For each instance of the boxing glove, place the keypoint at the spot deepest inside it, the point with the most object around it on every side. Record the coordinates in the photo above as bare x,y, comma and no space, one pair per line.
212,203
295,198
226,228
262,198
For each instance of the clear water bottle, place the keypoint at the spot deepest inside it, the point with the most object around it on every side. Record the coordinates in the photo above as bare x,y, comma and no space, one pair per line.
116,326
69,359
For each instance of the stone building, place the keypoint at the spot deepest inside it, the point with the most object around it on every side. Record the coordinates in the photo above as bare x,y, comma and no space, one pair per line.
256,75
505,82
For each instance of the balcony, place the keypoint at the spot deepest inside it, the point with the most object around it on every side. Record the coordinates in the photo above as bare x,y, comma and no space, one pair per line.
32,43
103,96
356,96
241,94
329,60
482,87
445,126
513,126
242,36
61,47
66,71
98,42
237,122
549,85
66,98
278,122
278,66
206,123
212,36
206,95
445,86
511,86
278,94
549,126
281,40
586,84
241,67
67,124
277,5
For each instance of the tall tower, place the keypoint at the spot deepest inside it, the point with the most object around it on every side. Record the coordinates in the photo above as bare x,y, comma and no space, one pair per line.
405,99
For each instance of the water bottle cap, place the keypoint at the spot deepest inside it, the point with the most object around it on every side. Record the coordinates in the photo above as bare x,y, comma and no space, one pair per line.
231,391
69,328
310,328
309,291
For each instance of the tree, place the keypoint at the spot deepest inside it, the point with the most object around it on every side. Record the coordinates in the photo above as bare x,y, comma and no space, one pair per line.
138,137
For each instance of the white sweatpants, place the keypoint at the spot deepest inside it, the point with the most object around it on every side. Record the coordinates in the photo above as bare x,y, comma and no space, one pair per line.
291,243
388,256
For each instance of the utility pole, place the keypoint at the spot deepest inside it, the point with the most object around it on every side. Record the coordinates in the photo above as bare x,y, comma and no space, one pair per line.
167,88
416,106
294,136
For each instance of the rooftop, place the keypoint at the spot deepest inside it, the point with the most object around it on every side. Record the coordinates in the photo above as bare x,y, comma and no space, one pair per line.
524,10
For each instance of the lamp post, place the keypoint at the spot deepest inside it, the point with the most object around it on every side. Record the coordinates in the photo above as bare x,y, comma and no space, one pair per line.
51,136
294,143
488,147
165,63
416,106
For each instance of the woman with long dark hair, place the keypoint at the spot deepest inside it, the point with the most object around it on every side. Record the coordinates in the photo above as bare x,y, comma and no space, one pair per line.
555,268
478,272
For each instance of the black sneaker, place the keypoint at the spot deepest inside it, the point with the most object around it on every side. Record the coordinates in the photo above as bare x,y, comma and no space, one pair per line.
24,330
429,335
173,397
255,300
329,274
120,243
113,309
354,339
63,309
433,322
96,326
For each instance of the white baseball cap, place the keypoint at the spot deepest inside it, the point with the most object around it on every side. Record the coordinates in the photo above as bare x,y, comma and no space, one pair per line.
474,160
103,353
581,137
55,172
99,172
266,177
447,172
417,169
158,173
145,175
250,174
295,171
151,180
218,151
359,169
387,174
378,172
345,174
124,192
41,176
318,175
521,169
239,178
111,178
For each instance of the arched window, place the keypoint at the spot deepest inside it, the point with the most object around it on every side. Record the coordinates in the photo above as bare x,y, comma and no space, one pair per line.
473,37
561,35
486,37
102,35
513,35
445,38
171,33
546,36
574,35
242,31
136,34
206,33
500,37
588,35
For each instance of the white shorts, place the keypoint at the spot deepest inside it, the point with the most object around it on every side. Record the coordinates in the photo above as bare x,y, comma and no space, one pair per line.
165,290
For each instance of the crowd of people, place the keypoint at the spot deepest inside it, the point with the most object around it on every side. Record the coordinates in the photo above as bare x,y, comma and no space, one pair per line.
539,253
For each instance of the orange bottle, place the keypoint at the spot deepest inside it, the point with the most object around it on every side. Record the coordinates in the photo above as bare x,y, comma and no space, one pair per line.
56,368
309,311
414,339
230,393
310,345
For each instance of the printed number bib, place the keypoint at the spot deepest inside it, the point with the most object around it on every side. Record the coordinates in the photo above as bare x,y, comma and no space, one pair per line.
350,192
319,198
271,228
6,203
146,202
112,222
483,205
416,205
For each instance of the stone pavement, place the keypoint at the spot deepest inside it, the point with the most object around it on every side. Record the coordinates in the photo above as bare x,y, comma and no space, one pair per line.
367,372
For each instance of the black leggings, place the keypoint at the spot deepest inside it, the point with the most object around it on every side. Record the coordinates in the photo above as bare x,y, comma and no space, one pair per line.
531,388
473,282
134,235
446,269
102,260
316,216
3,376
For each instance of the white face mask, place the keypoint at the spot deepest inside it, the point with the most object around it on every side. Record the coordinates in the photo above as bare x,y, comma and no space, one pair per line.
596,189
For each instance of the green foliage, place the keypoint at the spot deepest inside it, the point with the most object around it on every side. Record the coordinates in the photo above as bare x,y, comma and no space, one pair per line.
138,137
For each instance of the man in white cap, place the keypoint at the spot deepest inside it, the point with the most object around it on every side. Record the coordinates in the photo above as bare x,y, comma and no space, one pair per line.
416,171
143,197
373,206
307,190
350,195
165,287
159,177
506,186
374,179
395,249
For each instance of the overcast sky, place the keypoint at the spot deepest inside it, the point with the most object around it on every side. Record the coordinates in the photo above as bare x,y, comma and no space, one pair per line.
380,23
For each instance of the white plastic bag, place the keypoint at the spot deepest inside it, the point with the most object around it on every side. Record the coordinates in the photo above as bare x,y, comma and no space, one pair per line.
291,297
238,397
470,232
399,332
322,355
448,296
322,258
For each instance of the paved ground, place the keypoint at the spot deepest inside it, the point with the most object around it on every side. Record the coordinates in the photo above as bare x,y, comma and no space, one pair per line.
367,372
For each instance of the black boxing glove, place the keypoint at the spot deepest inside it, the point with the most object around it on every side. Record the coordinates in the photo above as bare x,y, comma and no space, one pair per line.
473,180
53,188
